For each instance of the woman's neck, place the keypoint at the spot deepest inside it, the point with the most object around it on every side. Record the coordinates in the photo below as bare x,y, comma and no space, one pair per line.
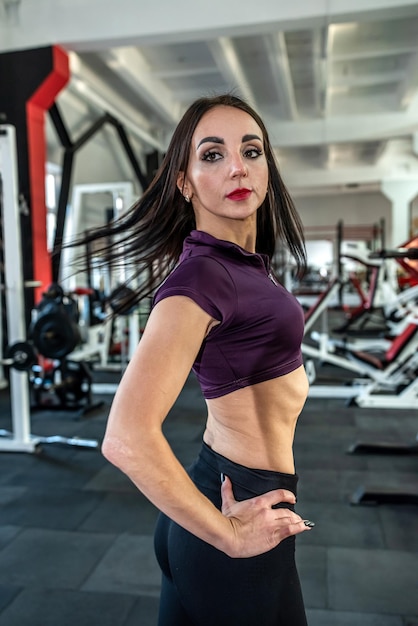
244,235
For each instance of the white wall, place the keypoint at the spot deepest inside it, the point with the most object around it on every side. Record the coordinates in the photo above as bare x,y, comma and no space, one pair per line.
352,208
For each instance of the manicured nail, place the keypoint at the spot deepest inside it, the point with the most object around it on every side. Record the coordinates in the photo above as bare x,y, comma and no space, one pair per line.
222,477
308,523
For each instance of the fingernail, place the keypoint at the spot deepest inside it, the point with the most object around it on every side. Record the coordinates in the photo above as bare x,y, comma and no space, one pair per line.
222,477
308,523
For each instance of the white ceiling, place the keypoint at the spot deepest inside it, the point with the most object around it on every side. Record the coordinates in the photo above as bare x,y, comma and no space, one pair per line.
336,81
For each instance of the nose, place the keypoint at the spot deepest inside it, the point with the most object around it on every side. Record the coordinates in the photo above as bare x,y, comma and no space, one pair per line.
238,167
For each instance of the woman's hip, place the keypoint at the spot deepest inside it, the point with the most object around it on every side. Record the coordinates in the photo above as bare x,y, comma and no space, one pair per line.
206,472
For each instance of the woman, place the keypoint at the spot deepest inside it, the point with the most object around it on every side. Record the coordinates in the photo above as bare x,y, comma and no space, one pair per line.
225,537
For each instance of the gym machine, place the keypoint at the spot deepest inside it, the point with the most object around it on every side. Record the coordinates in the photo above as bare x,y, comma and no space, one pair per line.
383,297
20,438
57,380
381,494
388,381
120,328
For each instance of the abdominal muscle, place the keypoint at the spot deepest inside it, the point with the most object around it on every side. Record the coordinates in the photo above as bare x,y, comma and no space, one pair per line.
255,426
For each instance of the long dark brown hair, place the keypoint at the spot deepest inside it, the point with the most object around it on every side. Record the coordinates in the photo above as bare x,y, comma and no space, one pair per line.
152,231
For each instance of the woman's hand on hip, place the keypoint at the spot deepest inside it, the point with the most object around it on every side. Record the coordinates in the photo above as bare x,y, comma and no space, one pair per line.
256,526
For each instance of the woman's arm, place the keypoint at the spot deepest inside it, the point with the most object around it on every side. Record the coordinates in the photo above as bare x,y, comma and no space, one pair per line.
134,441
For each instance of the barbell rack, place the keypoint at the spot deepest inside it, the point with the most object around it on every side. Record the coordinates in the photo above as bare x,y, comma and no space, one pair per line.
20,439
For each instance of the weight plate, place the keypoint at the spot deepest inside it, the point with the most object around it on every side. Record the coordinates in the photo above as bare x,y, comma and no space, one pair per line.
23,355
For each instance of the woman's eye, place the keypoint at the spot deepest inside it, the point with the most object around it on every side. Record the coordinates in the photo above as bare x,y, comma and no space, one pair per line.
253,153
211,155
214,155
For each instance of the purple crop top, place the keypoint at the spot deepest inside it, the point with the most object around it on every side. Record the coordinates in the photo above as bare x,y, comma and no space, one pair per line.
261,323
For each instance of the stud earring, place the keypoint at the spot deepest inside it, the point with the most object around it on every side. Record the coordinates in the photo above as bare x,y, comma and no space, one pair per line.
186,197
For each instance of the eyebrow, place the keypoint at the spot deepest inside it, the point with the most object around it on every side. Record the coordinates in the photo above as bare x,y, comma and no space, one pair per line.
221,141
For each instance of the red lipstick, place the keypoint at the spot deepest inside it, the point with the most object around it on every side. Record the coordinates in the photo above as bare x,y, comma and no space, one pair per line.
239,194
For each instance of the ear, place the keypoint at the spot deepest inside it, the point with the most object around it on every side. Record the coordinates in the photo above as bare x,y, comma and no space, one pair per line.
182,184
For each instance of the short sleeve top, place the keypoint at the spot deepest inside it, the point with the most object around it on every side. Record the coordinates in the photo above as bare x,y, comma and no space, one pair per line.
260,326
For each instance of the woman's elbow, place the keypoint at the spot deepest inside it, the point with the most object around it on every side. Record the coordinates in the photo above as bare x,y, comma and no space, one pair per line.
116,451
128,453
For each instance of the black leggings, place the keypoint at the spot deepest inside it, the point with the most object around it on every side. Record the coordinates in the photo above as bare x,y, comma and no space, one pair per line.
202,586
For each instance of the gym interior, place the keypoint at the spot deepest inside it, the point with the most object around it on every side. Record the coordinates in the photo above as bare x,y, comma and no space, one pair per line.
90,93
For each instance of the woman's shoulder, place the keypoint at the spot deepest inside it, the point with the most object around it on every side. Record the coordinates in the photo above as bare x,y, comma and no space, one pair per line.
203,278
201,266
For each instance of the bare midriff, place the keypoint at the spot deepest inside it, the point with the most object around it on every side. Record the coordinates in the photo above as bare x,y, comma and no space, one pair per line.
255,426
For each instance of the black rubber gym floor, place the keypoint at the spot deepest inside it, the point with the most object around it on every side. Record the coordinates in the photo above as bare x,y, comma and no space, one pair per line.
76,536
